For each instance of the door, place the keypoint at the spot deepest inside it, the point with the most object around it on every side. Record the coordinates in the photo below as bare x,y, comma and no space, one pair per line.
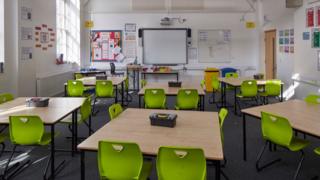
270,54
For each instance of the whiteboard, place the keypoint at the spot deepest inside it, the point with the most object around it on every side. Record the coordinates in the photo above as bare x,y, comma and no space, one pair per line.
165,46
214,45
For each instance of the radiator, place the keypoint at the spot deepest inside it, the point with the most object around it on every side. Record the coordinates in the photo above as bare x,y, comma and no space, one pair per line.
52,85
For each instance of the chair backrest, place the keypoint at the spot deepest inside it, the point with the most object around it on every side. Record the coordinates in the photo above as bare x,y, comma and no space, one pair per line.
222,116
143,83
187,99
86,109
313,98
112,68
249,88
203,83
226,70
5,97
276,129
26,130
119,160
155,99
231,75
75,88
215,83
181,163
115,110
104,88
273,87
78,76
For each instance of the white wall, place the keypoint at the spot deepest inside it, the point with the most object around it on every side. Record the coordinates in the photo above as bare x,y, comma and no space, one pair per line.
245,50
1,31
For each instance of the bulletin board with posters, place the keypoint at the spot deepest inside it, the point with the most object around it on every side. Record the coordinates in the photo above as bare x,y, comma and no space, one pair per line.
105,44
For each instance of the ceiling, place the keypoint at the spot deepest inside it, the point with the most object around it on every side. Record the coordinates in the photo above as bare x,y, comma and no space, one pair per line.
172,6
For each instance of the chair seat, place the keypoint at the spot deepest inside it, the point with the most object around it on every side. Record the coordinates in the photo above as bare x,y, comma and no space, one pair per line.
317,151
46,138
146,170
298,144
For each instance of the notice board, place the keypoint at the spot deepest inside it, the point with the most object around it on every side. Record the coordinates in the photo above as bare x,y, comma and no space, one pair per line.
105,44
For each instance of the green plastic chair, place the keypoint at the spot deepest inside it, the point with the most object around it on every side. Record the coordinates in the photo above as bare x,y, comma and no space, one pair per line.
277,130
75,88
128,97
248,90
181,163
104,89
272,89
317,151
215,83
187,99
313,98
122,160
78,76
143,83
114,111
84,117
26,131
231,75
203,84
5,97
155,99
223,113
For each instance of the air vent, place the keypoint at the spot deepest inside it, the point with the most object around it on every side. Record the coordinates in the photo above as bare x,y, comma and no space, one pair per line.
147,5
294,3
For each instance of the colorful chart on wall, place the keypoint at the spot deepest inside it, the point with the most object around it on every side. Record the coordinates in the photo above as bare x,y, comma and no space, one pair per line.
105,44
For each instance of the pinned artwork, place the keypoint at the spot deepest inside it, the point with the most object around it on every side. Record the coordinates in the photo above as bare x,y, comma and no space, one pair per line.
310,17
44,37
306,36
286,41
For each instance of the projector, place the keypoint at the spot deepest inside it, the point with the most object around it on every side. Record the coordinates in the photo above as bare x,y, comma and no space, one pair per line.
165,21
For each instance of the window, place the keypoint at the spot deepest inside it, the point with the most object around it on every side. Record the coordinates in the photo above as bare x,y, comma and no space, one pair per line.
68,30
1,35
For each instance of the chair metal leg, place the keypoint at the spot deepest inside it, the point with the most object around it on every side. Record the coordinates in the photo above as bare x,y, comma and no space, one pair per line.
299,165
2,149
260,168
224,175
57,169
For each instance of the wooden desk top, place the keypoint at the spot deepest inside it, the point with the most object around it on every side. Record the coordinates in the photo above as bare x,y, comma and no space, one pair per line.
91,81
193,129
236,82
161,72
172,90
58,108
302,116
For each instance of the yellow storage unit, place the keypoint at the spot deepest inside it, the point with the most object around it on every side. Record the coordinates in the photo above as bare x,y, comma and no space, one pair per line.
208,74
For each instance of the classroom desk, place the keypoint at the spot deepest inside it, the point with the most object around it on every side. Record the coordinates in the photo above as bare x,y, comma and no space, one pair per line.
89,73
193,129
303,117
236,83
173,91
58,109
91,81
172,72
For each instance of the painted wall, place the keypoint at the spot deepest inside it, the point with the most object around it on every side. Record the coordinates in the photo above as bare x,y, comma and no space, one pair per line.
245,50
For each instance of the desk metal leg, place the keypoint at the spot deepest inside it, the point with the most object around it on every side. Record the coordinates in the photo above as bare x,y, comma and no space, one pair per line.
75,130
138,80
65,91
177,77
139,101
122,93
221,91
244,135
116,100
235,100
73,134
82,165
203,102
52,152
218,170
281,98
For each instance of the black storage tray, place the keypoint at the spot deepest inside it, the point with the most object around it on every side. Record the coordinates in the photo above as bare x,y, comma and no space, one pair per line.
174,84
37,102
165,120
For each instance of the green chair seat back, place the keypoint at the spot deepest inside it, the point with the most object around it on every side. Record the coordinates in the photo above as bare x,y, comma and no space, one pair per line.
313,98
276,129
119,160
222,116
86,109
215,83
155,99
78,76
104,88
26,130
115,110
143,83
181,163
232,75
273,87
249,88
187,99
75,88
5,97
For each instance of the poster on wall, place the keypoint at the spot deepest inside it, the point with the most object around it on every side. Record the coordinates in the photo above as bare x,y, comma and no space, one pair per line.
26,13
310,17
26,53
306,36
44,37
26,33
104,43
315,38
